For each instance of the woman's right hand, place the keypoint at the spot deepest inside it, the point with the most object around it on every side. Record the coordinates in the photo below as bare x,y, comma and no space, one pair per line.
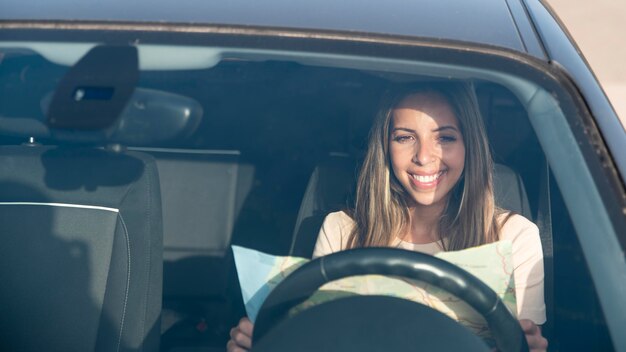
240,336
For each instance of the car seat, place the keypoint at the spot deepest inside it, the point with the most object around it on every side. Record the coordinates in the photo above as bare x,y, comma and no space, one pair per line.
81,254
80,216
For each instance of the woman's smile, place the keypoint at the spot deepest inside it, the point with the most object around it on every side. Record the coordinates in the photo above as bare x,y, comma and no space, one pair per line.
428,180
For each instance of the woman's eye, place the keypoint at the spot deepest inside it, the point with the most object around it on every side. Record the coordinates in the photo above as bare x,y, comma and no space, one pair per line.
403,139
447,139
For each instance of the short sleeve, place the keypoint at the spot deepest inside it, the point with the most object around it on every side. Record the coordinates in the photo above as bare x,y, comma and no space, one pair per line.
333,235
528,270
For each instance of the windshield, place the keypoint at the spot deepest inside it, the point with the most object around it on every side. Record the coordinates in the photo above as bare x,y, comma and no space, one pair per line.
248,147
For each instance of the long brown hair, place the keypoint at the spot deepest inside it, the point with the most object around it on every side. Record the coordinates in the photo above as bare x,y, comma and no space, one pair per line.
381,211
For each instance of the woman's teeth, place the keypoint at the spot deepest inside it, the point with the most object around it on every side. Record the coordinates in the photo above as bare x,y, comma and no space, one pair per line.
427,178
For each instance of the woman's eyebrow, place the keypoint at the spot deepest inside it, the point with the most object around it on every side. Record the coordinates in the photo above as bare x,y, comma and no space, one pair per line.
445,128
402,129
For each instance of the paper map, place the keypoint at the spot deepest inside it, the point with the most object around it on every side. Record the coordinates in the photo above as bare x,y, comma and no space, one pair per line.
259,273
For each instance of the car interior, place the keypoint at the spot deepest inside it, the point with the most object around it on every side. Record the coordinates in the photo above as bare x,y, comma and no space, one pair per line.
128,228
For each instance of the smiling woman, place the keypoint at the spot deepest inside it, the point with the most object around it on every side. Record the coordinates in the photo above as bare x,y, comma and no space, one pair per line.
420,190
417,174
417,152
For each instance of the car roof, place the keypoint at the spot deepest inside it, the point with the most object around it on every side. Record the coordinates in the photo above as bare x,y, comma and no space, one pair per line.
489,22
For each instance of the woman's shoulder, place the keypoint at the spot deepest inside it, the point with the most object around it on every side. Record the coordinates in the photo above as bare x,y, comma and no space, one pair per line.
334,234
515,227
512,220
338,218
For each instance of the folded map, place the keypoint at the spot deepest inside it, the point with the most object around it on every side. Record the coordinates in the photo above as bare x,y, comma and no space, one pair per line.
259,273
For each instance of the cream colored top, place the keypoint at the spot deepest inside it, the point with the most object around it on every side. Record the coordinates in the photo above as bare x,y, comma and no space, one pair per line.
527,257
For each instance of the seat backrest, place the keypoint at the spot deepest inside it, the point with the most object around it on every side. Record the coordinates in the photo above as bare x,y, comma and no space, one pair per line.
331,188
509,191
202,193
80,260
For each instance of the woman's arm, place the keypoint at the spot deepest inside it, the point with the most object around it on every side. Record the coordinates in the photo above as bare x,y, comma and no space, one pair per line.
528,272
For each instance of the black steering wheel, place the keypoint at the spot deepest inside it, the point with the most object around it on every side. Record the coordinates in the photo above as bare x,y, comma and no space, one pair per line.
301,284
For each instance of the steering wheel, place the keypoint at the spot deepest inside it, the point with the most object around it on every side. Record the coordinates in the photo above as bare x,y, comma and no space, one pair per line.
303,282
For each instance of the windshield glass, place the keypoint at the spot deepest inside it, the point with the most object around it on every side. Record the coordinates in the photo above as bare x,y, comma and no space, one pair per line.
250,147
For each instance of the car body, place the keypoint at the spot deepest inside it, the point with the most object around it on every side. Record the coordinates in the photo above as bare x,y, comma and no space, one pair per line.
258,97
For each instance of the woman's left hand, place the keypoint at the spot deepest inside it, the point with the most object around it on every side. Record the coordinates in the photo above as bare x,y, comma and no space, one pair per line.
536,341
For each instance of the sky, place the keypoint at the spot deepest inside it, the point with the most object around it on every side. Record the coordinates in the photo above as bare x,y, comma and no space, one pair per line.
599,29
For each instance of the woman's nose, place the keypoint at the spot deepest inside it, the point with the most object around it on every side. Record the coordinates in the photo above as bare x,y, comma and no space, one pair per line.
424,154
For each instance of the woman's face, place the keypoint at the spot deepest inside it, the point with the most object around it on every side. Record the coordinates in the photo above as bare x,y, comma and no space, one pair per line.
426,148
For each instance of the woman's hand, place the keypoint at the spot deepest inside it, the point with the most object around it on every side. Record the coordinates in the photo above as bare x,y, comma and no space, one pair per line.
240,336
536,341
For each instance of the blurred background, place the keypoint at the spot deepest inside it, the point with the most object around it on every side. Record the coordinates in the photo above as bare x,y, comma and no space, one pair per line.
599,29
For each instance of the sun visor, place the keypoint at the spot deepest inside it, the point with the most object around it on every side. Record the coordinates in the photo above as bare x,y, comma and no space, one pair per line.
93,93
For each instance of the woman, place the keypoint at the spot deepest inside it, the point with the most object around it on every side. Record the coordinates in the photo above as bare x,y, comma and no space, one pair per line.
426,185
